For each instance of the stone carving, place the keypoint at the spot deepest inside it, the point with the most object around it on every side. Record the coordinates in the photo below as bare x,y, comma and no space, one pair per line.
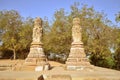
36,55
37,30
76,30
77,57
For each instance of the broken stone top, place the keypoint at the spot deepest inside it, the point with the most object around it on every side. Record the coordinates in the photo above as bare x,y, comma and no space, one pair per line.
37,22
76,21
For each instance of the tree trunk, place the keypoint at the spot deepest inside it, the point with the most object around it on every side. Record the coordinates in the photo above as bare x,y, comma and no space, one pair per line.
14,57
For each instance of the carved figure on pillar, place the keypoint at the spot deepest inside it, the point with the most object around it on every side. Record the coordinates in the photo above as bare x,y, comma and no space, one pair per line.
37,30
36,55
76,30
77,57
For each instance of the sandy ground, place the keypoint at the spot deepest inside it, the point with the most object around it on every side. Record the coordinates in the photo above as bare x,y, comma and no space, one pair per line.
58,69
8,61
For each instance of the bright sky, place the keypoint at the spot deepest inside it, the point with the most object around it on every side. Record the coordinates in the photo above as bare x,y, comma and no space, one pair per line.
42,8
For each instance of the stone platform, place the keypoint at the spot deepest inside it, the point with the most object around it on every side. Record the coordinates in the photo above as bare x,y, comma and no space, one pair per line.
57,73
35,57
77,58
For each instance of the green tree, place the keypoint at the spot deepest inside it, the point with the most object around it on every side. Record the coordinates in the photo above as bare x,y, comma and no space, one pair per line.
46,35
59,38
117,49
10,22
25,34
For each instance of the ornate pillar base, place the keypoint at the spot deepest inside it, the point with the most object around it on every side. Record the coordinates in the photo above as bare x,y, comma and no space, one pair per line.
36,55
77,57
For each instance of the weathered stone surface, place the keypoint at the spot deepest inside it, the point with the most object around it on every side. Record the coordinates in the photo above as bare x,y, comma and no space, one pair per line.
37,30
76,30
36,55
77,57
47,67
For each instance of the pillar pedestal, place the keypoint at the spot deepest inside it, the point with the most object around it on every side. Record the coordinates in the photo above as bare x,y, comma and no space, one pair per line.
77,59
36,55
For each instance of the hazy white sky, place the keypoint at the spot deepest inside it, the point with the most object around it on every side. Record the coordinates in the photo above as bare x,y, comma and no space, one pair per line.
42,8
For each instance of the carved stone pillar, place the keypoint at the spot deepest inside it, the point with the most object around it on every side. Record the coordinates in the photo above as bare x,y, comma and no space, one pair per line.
77,57
36,55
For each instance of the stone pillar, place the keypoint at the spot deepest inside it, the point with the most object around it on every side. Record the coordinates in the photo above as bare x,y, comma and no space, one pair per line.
77,57
36,55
